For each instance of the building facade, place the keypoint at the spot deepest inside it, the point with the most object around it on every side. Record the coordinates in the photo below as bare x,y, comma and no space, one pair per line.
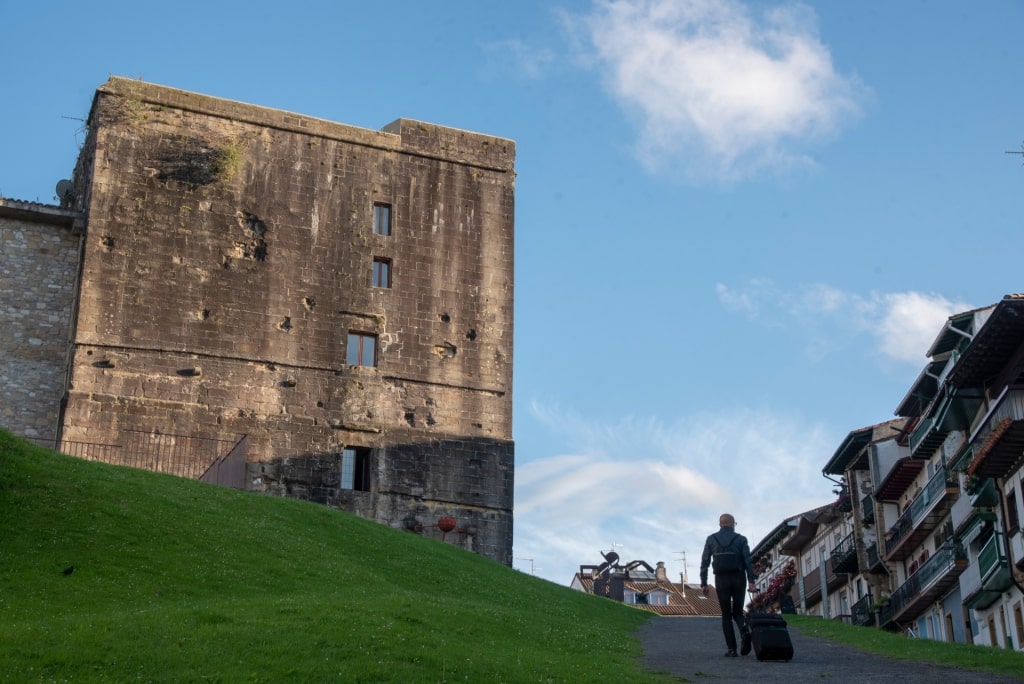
325,308
40,250
927,528
639,585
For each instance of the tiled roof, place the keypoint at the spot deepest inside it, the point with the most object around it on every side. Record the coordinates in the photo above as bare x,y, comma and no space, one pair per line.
36,211
684,600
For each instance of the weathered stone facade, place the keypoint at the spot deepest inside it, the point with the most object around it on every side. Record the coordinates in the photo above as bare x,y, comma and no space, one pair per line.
39,256
230,255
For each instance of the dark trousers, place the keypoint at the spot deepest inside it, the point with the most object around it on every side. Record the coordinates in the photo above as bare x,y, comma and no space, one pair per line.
731,589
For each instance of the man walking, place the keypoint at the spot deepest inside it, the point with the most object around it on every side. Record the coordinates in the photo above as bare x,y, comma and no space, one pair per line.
729,555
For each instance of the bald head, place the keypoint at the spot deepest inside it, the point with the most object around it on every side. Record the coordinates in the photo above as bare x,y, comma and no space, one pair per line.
726,520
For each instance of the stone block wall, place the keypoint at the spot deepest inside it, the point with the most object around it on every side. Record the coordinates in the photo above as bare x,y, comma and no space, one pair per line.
228,256
39,256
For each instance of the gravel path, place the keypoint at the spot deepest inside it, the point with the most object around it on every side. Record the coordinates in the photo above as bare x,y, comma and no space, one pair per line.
693,648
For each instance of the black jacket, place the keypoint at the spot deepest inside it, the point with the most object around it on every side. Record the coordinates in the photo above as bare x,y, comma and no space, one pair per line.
726,538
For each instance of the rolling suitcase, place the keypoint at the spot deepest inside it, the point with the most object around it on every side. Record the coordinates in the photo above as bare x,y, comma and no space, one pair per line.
769,636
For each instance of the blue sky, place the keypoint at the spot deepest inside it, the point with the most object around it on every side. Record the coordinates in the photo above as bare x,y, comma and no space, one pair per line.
739,225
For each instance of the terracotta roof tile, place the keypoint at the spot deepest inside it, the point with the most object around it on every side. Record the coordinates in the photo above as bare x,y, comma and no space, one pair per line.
684,600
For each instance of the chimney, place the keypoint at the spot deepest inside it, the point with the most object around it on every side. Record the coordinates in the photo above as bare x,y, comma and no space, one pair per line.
682,582
659,572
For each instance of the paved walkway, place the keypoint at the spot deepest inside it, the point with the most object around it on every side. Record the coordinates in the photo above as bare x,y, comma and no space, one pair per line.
693,648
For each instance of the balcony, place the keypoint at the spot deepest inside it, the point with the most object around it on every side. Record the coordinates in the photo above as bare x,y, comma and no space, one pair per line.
812,582
933,579
844,556
885,615
922,516
985,495
929,433
983,582
860,612
812,588
999,440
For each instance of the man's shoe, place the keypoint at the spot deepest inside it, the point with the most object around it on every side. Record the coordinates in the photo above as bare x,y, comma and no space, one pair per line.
731,653
745,645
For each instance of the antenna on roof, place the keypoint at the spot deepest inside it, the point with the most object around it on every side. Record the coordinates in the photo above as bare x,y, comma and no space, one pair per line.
533,568
685,565
1020,151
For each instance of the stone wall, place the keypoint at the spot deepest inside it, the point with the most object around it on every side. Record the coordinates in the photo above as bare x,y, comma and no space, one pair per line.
228,256
39,256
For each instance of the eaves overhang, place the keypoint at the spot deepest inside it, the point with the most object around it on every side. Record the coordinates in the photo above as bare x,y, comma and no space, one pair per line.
848,450
773,538
993,346
806,528
903,473
38,213
922,391
953,333
1002,452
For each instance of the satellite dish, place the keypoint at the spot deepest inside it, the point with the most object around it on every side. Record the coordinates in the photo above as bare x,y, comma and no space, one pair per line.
65,191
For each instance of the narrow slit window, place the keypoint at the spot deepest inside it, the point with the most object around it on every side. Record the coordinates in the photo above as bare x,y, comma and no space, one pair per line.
362,349
381,272
382,219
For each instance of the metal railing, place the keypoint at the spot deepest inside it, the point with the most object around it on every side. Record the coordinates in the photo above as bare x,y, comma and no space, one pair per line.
182,455
941,562
844,553
918,509
846,546
229,469
860,612
885,614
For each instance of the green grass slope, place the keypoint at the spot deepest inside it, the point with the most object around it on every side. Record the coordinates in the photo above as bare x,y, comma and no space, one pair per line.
176,580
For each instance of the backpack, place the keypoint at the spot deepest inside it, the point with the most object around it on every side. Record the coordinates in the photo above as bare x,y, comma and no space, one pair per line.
725,560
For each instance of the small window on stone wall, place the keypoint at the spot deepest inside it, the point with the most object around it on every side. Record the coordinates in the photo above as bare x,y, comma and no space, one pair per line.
382,219
355,469
381,272
362,349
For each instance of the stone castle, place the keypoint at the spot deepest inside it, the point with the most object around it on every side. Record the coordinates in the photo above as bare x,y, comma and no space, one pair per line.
277,303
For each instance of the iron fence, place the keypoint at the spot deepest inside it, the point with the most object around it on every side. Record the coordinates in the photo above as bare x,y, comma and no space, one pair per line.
218,461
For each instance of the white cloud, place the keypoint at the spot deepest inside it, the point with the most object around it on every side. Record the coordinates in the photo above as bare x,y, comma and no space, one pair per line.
658,489
910,321
903,324
720,92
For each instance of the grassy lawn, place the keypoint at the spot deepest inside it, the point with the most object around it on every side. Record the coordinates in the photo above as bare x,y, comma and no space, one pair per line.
982,658
176,580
